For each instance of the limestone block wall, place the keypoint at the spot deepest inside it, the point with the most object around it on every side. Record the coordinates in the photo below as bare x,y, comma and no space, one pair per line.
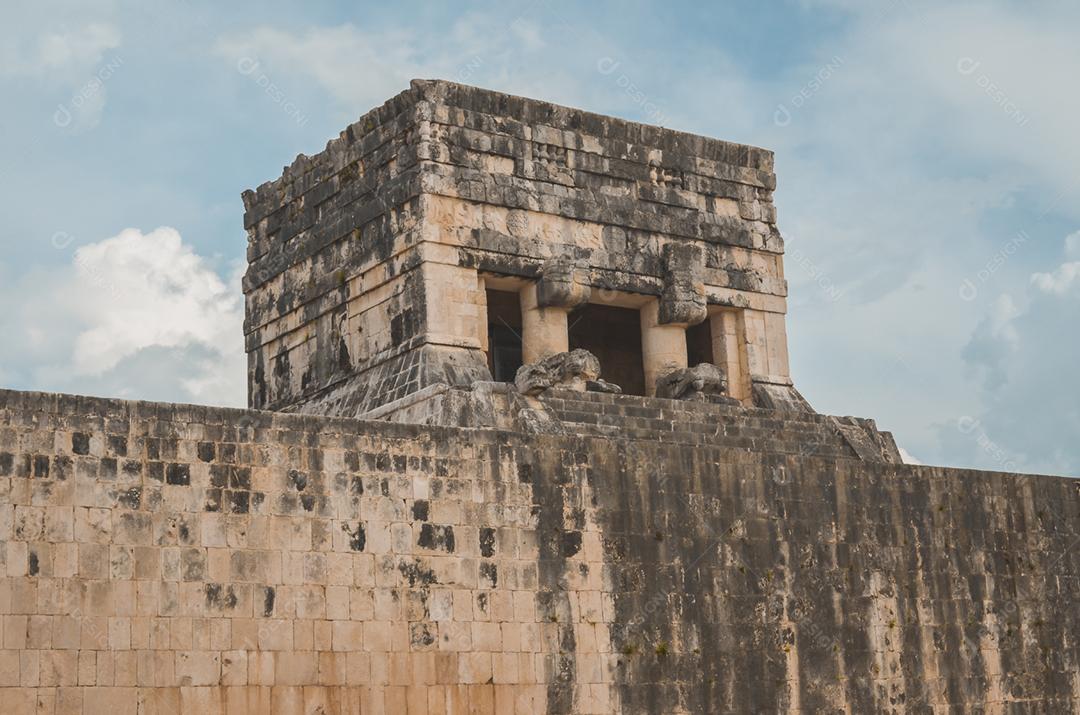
165,559
350,248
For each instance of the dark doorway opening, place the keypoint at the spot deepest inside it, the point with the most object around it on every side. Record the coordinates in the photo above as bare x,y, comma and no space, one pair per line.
699,343
504,334
614,336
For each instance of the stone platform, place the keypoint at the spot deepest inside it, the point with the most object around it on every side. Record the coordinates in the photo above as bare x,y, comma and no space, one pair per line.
649,557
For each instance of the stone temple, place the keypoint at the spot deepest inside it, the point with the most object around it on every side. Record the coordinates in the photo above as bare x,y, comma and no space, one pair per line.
522,438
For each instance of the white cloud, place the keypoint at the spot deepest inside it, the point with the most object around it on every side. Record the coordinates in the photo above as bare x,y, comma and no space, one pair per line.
82,48
360,69
135,315
137,291
75,66
1072,245
1060,280
1029,408
68,54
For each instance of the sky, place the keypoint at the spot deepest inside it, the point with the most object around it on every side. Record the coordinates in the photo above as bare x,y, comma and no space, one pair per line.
927,159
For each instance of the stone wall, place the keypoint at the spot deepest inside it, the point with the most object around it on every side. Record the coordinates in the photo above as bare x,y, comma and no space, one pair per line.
167,558
367,259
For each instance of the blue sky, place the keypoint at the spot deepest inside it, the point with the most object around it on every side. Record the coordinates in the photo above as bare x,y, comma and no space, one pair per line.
926,155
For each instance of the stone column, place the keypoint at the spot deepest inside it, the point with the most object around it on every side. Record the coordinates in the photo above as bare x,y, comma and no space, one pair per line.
543,330
663,347
545,304
729,351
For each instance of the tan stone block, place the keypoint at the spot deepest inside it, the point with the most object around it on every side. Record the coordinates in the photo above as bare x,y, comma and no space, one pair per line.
502,606
380,669
123,594
324,637
9,669
234,667
87,667
69,701
303,635
524,607
437,702
386,699
400,637
388,605
147,595
159,633
59,668
119,633
333,668
351,635
23,596
140,633
400,669
18,700
363,570
481,699
218,562
441,604
530,637
110,701
510,637
463,606
423,668
455,636
474,667
275,634
145,675
246,700
125,668
339,569
505,698
527,668
15,632
180,633
261,667
504,667
319,699
202,700
213,531
376,636
159,701
220,634
337,601
296,668
65,560
486,637
357,668
245,633
195,668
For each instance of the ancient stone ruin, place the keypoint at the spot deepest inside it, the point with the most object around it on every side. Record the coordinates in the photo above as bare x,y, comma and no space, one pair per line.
522,438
